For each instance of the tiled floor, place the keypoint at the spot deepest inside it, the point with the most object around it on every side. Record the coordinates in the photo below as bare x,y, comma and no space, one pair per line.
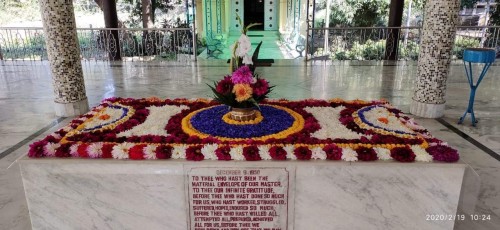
26,107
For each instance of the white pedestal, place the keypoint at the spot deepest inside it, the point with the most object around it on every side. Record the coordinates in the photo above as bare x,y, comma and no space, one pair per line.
115,194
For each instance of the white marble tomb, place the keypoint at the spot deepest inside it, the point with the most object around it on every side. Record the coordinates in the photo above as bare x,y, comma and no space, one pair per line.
125,194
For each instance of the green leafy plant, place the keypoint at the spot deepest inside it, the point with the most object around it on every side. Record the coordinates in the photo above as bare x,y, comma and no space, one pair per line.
462,43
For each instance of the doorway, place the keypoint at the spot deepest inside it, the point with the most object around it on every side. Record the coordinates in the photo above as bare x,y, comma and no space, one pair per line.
254,13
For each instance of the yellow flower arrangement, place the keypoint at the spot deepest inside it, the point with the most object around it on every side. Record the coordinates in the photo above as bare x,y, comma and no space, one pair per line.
242,92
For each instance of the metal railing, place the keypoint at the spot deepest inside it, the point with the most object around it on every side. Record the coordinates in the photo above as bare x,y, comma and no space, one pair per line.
178,45
104,44
369,43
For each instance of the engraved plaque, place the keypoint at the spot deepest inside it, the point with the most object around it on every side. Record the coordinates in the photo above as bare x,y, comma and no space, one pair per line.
244,198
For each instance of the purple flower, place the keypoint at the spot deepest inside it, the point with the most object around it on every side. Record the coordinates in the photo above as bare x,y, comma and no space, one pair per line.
243,75
443,153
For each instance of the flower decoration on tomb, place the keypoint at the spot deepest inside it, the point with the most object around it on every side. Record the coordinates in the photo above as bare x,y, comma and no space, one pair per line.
195,130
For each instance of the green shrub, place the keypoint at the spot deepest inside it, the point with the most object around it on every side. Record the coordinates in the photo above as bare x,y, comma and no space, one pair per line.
408,52
370,50
462,43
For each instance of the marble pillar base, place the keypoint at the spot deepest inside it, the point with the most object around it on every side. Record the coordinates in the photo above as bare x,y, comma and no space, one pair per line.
426,110
115,194
71,109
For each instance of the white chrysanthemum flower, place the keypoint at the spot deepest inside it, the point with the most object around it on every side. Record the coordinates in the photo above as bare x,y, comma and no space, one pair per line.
331,127
412,124
348,154
56,136
318,153
120,151
95,150
149,152
237,153
179,152
289,152
383,153
247,60
50,149
208,151
420,154
73,150
264,152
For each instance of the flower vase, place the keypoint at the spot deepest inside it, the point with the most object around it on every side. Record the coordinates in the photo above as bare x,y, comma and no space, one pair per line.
243,114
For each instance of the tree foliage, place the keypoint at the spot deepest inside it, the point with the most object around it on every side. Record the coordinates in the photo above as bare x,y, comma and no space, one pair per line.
135,17
495,16
356,12
467,3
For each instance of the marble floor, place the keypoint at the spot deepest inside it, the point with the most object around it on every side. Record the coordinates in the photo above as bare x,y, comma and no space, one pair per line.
26,111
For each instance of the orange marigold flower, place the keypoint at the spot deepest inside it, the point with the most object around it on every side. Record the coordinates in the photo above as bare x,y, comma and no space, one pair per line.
242,92
104,117
383,120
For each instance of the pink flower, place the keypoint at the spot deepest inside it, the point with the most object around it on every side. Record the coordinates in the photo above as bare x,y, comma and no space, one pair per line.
225,86
260,87
243,75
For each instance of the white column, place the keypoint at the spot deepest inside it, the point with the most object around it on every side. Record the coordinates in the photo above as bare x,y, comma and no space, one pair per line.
64,56
438,36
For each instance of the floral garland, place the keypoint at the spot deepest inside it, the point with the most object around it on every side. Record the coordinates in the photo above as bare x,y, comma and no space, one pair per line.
285,130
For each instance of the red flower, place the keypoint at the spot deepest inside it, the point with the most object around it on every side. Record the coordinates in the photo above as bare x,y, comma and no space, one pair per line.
63,150
193,153
222,153
333,152
106,150
403,154
82,151
303,153
37,149
251,153
260,87
225,86
277,153
136,152
366,154
443,153
163,151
